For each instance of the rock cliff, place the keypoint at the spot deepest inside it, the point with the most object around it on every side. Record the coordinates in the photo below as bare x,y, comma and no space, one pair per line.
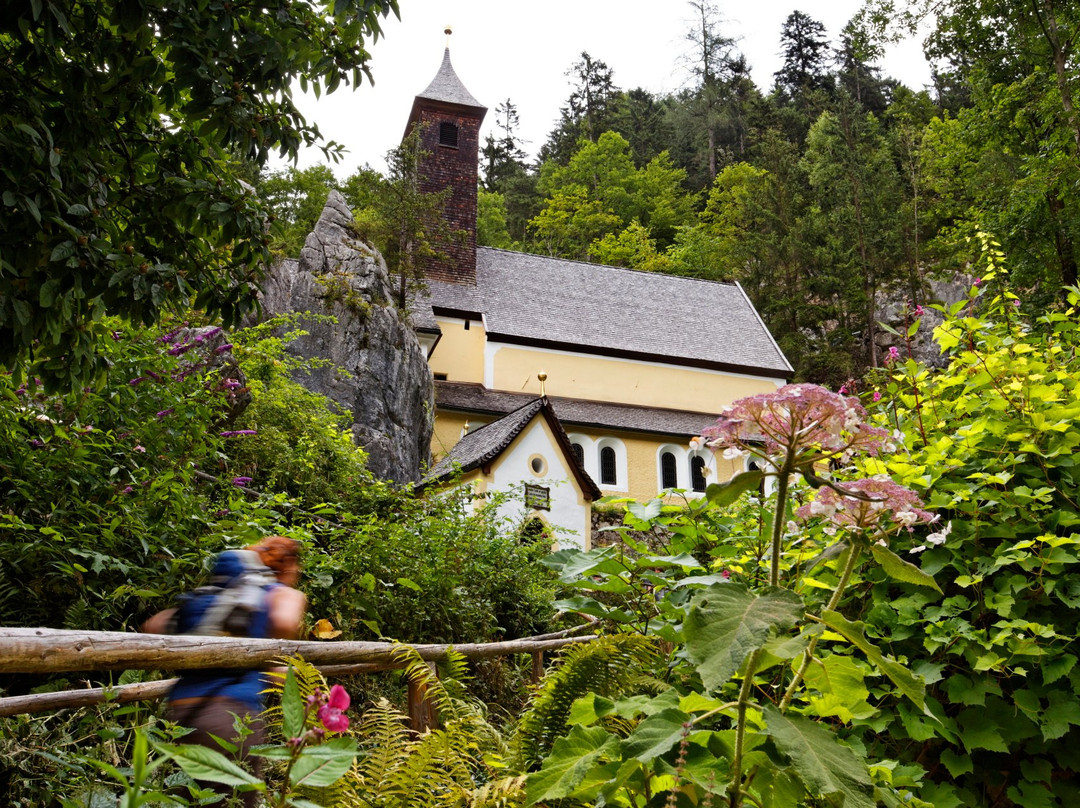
378,370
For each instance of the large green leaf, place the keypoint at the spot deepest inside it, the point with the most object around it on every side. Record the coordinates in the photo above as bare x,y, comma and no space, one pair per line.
727,623
656,735
854,632
571,757
322,765
292,706
899,570
726,493
201,763
823,765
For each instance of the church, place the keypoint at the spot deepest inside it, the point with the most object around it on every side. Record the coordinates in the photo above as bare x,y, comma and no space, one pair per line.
562,380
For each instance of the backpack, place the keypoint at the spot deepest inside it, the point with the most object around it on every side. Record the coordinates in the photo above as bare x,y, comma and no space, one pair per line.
229,604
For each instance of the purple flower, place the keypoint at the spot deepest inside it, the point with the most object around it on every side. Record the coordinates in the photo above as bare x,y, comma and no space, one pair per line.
37,444
232,384
843,390
162,413
223,348
894,355
874,503
221,514
178,350
137,380
1016,303
127,490
240,482
234,432
805,421
213,332
139,448
116,335
877,396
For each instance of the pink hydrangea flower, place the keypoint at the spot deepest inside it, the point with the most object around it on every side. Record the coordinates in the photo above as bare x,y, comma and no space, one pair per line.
800,423
875,504
332,714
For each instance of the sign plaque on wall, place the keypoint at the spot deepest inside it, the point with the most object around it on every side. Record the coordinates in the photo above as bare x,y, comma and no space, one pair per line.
537,497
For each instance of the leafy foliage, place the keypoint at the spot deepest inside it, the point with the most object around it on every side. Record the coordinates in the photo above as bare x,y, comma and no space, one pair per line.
121,128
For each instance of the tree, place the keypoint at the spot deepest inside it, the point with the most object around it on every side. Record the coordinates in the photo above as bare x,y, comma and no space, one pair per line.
709,61
403,222
600,191
857,200
591,109
120,127
296,198
502,155
804,48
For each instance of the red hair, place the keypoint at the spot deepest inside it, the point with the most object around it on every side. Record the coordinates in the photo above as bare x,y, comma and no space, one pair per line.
279,553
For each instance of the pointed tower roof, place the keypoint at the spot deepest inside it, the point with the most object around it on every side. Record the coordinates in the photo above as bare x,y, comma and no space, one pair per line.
447,88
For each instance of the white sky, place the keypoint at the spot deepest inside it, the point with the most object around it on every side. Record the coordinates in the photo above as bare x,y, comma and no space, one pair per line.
512,49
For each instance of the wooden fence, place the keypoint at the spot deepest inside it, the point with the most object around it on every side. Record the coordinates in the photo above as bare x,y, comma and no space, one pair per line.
43,650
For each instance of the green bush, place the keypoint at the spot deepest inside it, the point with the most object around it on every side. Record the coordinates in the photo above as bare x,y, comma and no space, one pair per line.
993,441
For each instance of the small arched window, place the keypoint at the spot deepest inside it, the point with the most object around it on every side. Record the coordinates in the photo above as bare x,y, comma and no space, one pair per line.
448,134
697,473
608,475
669,475
579,453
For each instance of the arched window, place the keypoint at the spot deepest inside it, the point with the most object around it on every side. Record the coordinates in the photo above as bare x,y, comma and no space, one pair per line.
533,531
669,473
697,473
579,453
448,134
608,474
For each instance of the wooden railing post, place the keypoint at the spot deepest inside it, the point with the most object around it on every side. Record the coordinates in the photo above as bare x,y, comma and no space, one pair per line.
537,667
422,715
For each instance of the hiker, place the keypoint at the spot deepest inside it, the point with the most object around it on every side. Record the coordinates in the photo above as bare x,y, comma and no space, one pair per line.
251,594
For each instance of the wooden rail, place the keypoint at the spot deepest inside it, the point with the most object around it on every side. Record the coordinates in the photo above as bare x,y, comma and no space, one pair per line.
42,650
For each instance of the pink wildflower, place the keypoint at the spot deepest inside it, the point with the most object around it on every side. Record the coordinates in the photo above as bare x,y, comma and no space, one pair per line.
800,423
877,396
978,281
894,355
873,504
140,448
1016,303
919,311
332,714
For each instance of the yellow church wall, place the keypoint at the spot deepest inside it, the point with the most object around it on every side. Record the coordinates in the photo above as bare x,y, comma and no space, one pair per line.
622,381
460,351
447,432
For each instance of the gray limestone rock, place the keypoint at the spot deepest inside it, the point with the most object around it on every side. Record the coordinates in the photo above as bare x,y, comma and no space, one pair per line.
378,370
891,311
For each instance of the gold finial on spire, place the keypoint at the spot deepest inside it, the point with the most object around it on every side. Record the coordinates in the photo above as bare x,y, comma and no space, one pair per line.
447,30
543,378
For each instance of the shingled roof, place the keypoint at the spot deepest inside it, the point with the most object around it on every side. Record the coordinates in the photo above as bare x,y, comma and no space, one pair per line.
447,87
474,398
484,444
591,308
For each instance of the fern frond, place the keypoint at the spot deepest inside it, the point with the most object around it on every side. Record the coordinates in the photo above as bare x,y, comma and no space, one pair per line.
447,707
386,741
605,666
508,792
308,679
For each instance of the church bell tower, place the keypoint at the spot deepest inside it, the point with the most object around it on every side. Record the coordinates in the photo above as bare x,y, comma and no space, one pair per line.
450,120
